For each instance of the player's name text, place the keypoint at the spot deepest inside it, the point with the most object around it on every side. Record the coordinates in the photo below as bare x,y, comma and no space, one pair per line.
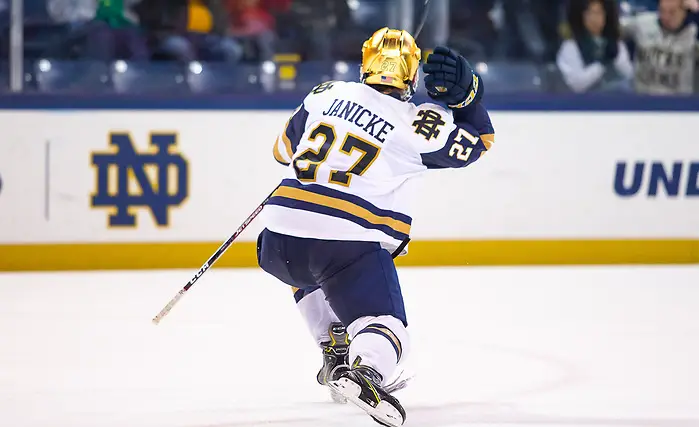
360,116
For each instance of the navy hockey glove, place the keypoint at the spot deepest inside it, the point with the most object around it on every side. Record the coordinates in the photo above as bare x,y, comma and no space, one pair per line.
450,79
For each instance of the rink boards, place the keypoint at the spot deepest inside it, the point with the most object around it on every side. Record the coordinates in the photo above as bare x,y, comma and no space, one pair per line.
122,189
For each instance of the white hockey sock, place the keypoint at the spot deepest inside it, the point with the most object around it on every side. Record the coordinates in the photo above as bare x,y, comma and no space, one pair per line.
318,315
380,341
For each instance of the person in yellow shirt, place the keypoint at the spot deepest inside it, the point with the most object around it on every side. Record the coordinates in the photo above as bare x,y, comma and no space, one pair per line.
207,27
189,29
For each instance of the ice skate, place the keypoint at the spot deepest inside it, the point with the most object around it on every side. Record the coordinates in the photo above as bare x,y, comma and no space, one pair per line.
335,353
360,385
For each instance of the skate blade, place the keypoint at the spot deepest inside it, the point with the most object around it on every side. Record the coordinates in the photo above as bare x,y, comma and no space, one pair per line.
337,397
384,412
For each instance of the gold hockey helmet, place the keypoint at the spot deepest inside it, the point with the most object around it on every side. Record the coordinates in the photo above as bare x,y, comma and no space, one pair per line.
391,58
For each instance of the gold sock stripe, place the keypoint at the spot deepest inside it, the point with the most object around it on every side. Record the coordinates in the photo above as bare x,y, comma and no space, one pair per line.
389,333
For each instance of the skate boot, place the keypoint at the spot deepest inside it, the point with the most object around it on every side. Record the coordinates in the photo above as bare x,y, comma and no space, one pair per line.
335,353
361,386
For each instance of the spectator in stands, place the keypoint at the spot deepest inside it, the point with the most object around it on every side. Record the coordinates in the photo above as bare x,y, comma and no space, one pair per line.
666,48
531,28
99,29
251,20
208,31
595,59
165,23
188,29
471,30
321,30
115,33
73,12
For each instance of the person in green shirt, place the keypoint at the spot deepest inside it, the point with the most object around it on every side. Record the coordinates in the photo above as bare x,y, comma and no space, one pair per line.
100,30
115,33
113,13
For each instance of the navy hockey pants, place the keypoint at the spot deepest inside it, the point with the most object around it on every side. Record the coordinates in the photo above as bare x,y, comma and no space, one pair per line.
358,278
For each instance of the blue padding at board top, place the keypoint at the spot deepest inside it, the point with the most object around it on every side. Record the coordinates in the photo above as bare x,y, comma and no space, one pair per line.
291,100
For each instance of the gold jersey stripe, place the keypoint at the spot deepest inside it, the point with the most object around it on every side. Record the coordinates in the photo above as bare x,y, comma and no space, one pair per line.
287,141
278,154
343,205
488,140
285,138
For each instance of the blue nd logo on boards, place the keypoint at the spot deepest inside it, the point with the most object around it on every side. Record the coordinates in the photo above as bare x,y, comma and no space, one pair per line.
679,179
156,179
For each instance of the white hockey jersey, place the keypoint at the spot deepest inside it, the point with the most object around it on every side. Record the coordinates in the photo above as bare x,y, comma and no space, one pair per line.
350,151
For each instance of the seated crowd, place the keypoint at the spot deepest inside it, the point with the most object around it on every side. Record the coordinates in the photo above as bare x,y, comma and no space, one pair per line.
591,45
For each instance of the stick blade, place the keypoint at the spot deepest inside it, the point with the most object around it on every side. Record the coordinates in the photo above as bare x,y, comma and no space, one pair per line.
156,320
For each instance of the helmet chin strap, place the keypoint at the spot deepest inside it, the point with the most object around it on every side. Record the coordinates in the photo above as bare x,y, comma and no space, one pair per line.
412,87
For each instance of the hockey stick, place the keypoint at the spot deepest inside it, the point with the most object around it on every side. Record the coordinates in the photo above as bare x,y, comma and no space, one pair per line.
425,12
400,247
220,251
212,259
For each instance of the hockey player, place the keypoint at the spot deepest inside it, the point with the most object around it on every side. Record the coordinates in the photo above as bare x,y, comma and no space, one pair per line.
351,150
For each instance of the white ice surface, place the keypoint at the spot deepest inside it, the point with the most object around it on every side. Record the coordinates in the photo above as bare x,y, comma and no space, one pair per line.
496,347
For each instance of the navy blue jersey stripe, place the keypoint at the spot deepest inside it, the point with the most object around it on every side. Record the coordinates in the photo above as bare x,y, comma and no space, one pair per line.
295,128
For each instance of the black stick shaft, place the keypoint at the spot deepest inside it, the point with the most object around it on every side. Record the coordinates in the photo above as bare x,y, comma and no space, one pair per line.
400,247
425,12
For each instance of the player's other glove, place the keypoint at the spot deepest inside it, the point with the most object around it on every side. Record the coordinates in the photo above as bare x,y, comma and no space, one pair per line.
450,79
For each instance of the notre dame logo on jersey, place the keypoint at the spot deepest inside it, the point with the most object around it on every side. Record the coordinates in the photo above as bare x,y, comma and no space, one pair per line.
428,124
126,179
323,87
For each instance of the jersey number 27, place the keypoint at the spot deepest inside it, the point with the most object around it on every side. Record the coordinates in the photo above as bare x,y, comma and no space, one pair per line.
311,158
457,150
